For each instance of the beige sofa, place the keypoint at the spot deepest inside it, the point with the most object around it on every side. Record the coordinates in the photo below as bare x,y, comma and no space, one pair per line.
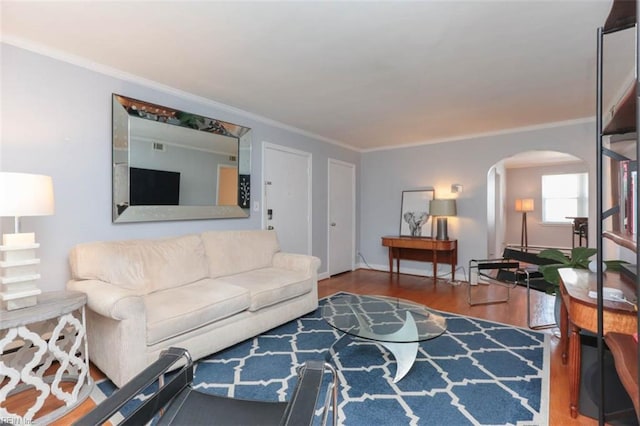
201,292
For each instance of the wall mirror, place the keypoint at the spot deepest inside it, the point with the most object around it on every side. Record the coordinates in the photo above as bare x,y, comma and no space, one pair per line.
173,165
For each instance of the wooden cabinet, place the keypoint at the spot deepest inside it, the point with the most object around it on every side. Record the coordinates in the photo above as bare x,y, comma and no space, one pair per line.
617,194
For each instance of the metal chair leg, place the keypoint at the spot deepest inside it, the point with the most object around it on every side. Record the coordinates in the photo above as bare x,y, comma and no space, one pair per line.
473,264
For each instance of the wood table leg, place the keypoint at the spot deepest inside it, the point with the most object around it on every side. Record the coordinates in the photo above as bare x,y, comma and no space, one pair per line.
564,331
435,266
574,370
391,260
454,261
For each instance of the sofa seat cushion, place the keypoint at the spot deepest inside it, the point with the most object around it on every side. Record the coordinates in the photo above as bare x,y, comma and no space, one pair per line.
179,310
268,286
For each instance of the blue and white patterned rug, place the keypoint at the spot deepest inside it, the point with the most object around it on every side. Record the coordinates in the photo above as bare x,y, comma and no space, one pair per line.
478,372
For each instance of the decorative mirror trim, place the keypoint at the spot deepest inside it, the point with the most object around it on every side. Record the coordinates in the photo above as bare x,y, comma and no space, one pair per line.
229,140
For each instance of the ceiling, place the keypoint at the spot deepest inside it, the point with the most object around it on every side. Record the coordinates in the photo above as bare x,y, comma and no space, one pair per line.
368,75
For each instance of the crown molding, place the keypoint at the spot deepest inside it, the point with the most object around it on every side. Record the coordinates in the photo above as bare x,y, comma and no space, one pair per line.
486,134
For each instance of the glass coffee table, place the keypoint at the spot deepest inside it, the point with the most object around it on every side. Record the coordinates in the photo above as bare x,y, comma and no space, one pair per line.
398,325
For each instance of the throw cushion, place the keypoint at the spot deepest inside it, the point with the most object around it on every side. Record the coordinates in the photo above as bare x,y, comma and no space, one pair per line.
179,310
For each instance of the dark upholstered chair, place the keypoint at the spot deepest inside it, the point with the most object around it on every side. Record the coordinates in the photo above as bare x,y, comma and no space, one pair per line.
516,267
176,402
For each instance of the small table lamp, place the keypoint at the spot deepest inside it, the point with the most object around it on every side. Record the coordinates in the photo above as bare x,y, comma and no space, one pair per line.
441,209
524,205
21,194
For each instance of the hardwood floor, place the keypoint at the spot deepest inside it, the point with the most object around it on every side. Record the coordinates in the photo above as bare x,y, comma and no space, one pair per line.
447,297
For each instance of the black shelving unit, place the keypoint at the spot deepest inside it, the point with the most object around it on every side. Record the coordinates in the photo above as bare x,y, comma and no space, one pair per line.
622,125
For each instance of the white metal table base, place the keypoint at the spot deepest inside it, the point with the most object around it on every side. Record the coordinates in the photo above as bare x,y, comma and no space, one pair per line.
403,344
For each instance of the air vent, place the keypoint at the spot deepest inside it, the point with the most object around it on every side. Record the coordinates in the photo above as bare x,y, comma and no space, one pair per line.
157,146
232,158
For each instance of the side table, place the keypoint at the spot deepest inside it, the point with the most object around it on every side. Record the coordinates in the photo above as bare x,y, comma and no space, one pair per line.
41,347
424,249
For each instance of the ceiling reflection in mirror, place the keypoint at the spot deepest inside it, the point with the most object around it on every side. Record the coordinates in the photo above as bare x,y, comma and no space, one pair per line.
173,165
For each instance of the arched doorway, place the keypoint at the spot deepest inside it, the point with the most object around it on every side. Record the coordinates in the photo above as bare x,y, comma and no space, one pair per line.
519,176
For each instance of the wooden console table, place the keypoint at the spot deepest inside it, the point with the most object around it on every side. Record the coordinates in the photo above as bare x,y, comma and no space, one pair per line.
579,312
422,249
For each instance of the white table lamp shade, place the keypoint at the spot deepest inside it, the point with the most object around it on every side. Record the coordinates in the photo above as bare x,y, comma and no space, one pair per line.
23,194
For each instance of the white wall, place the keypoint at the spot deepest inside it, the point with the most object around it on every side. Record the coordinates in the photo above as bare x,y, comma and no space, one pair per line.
56,120
386,173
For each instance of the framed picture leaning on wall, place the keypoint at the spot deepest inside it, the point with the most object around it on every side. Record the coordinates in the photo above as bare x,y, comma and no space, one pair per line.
415,220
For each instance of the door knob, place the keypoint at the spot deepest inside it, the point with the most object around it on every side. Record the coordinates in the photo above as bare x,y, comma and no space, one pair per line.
270,228
333,224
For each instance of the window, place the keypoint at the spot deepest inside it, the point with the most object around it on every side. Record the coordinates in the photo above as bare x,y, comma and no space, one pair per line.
564,196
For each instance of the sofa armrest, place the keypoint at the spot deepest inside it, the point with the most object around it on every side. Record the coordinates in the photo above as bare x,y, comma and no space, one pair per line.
296,262
109,300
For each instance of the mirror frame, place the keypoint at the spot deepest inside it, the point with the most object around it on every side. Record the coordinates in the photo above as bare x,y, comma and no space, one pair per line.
123,108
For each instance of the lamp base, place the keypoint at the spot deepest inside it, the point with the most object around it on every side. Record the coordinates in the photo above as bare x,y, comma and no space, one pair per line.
442,233
18,274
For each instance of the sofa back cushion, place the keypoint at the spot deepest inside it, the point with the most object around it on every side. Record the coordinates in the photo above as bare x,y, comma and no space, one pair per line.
233,252
144,265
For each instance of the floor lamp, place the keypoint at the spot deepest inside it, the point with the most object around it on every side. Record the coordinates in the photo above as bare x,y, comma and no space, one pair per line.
524,205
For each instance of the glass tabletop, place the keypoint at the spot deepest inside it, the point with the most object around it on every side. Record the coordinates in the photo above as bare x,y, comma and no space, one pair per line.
383,319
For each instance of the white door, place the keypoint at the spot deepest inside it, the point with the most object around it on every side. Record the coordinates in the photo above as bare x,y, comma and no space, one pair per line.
287,196
342,206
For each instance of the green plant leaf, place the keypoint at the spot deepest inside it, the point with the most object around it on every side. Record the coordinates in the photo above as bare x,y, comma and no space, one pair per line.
550,273
556,255
580,255
614,265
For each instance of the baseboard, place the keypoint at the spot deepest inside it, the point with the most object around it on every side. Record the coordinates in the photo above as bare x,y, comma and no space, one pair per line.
422,272
427,271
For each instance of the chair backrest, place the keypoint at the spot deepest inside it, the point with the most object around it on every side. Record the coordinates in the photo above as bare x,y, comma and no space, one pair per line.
300,410
529,257
493,264
536,280
151,406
